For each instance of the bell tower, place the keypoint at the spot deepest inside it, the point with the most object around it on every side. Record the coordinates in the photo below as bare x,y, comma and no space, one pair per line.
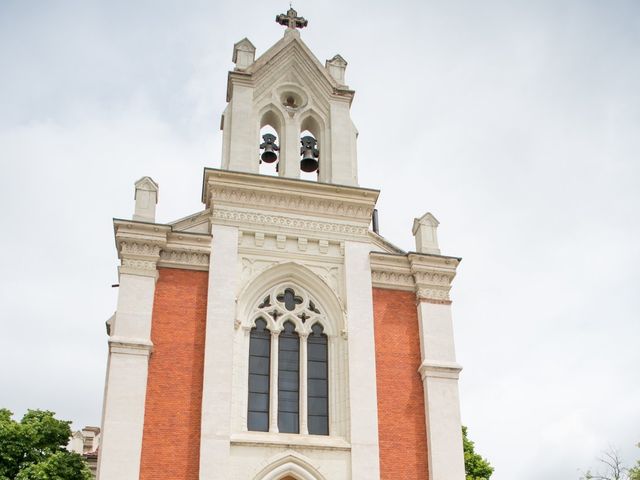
274,334
289,90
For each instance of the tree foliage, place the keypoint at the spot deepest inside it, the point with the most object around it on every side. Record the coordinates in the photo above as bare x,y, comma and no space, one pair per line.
34,448
476,467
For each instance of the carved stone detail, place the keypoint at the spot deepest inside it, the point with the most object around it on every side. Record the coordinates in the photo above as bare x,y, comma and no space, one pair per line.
188,258
290,202
139,248
288,222
392,279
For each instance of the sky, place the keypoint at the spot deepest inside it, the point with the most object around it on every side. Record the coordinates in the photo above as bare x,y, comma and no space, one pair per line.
517,124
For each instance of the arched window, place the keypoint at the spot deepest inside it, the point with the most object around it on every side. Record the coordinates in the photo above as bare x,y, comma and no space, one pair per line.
288,365
317,383
259,364
289,380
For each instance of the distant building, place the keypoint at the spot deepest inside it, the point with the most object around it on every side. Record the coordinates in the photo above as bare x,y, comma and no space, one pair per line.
273,334
86,442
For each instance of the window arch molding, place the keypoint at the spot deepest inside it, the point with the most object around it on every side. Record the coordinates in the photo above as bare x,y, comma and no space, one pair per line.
289,464
295,275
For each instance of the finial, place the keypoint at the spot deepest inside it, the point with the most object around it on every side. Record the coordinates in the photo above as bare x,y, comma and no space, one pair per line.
291,20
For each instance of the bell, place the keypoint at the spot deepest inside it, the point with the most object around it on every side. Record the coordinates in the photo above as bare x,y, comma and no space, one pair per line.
310,153
270,148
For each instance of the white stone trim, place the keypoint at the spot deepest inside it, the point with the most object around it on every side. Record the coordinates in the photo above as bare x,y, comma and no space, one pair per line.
289,462
433,276
435,369
143,247
273,381
248,217
126,383
391,271
269,439
439,369
362,371
218,357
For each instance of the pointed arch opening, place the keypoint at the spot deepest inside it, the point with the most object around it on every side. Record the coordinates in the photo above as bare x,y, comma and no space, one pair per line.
310,127
289,465
270,140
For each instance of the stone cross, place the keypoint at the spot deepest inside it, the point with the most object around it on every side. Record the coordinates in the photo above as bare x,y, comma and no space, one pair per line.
291,20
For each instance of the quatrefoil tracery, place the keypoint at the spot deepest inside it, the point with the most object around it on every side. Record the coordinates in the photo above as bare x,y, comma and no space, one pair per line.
288,302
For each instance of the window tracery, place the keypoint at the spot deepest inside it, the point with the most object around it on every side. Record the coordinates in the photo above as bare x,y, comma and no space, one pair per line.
288,381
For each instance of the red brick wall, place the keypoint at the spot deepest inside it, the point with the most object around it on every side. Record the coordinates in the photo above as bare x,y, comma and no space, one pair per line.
401,421
171,441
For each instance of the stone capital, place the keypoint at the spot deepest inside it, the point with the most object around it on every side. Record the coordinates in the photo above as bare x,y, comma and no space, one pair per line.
433,275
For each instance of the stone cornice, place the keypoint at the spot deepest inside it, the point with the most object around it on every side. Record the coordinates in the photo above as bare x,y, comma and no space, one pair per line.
142,247
285,195
430,276
285,223
130,346
437,369
433,275
391,271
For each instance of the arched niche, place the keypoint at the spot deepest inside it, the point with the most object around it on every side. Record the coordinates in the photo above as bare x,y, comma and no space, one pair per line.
271,121
311,123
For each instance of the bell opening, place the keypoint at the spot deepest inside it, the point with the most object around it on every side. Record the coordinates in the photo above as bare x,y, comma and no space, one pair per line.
309,156
269,152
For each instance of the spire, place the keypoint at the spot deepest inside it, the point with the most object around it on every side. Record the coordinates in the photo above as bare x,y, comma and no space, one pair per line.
291,19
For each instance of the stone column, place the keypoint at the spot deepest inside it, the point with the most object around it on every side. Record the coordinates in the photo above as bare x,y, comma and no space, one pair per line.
433,275
363,399
129,349
304,427
273,382
215,447
289,163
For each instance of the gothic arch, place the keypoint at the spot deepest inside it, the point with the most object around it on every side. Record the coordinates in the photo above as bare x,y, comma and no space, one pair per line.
289,464
315,123
294,274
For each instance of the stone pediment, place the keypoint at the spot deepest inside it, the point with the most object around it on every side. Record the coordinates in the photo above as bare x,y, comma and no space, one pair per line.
290,54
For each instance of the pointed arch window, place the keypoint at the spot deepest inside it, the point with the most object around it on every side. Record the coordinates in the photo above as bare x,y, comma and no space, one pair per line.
289,380
259,364
288,365
317,383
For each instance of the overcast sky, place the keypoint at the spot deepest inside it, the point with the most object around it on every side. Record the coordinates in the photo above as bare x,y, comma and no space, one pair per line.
517,124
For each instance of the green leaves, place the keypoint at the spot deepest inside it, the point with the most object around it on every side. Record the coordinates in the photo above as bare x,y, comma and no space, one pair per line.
34,448
59,466
476,467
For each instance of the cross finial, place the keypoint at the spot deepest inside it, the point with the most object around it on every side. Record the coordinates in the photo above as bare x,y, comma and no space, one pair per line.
291,20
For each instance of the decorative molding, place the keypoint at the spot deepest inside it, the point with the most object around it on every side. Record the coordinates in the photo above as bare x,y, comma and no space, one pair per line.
263,439
130,346
184,259
289,201
434,369
392,280
433,275
143,249
391,271
276,221
139,257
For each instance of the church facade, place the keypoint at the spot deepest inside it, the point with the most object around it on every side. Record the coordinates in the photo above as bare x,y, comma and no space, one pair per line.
274,335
